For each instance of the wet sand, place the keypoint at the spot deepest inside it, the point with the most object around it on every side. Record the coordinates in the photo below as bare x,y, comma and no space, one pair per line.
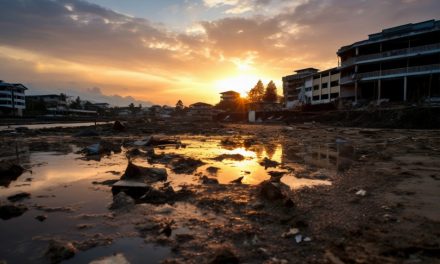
355,196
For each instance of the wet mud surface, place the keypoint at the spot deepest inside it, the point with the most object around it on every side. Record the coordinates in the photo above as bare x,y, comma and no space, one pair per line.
221,194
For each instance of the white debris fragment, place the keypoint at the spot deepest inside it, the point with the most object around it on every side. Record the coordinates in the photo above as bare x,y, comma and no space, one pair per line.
298,238
361,192
292,231
307,239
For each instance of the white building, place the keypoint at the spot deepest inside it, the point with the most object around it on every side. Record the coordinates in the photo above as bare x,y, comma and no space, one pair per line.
12,98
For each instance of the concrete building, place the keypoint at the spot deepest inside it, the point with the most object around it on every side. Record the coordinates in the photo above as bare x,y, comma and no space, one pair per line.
398,64
325,87
201,111
12,98
230,96
294,87
54,103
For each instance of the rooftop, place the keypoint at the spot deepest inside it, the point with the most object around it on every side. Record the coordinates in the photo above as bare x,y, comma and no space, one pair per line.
396,32
230,92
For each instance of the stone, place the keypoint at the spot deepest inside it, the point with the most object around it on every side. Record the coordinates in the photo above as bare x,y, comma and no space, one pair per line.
59,251
41,218
19,196
9,211
144,174
207,180
238,180
132,188
122,201
9,172
271,191
267,163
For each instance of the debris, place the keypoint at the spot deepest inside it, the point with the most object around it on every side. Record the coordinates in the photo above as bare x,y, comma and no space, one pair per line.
207,180
238,180
86,133
19,196
212,170
237,157
41,218
102,148
121,201
184,165
157,141
275,176
105,182
267,163
361,192
114,259
307,239
118,126
60,250
298,238
223,256
144,174
132,188
9,172
9,211
271,191
332,258
166,228
292,231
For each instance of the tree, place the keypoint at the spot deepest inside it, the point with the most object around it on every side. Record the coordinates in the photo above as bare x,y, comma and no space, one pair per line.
270,95
256,94
132,108
76,104
179,105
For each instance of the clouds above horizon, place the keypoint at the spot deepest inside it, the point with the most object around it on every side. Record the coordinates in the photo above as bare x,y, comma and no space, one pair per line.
56,43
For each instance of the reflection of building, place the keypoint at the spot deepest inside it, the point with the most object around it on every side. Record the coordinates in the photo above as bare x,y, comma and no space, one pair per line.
294,89
230,96
400,64
201,111
325,86
12,98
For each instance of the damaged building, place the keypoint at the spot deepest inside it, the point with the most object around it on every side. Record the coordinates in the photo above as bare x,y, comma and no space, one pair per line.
398,64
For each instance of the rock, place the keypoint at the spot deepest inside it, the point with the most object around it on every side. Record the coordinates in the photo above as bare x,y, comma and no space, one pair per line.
158,196
41,218
292,231
361,192
86,133
167,228
60,250
224,256
118,126
267,163
144,174
102,148
122,201
105,182
238,180
237,157
9,172
207,180
115,259
9,211
271,191
19,196
212,170
132,188
184,165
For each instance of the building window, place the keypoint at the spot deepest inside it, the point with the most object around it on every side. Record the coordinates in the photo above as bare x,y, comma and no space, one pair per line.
324,85
324,96
316,98
5,102
315,87
334,95
334,83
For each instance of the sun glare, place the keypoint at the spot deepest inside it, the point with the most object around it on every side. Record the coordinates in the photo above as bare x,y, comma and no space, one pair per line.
241,84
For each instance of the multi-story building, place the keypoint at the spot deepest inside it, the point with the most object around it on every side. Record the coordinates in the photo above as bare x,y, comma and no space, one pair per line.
12,98
294,87
399,64
325,86
230,96
54,103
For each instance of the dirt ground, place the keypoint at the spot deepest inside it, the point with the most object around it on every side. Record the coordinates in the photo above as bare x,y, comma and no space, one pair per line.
382,205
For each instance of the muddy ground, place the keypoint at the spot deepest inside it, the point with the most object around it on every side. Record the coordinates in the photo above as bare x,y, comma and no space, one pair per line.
382,205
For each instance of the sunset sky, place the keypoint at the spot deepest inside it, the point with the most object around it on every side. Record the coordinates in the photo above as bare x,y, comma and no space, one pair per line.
162,51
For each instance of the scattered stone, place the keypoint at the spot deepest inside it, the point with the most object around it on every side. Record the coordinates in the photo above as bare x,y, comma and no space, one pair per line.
238,180
115,259
9,172
184,165
9,211
19,196
122,201
59,251
207,180
236,157
118,126
267,163
212,170
41,218
223,256
271,191
144,174
361,192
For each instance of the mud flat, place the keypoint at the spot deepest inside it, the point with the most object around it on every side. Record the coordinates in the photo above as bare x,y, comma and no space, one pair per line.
147,192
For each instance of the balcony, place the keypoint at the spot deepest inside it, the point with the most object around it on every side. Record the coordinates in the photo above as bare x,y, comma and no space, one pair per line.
416,70
392,54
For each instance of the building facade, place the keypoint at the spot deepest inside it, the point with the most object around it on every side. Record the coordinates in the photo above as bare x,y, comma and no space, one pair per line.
325,86
229,96
54,103
397,64
294,87
12,98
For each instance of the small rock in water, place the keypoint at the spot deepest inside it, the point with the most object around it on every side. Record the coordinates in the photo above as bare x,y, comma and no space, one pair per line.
60,250
9,211
19,196
267,163
271,191
207,180
41,218
238,180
